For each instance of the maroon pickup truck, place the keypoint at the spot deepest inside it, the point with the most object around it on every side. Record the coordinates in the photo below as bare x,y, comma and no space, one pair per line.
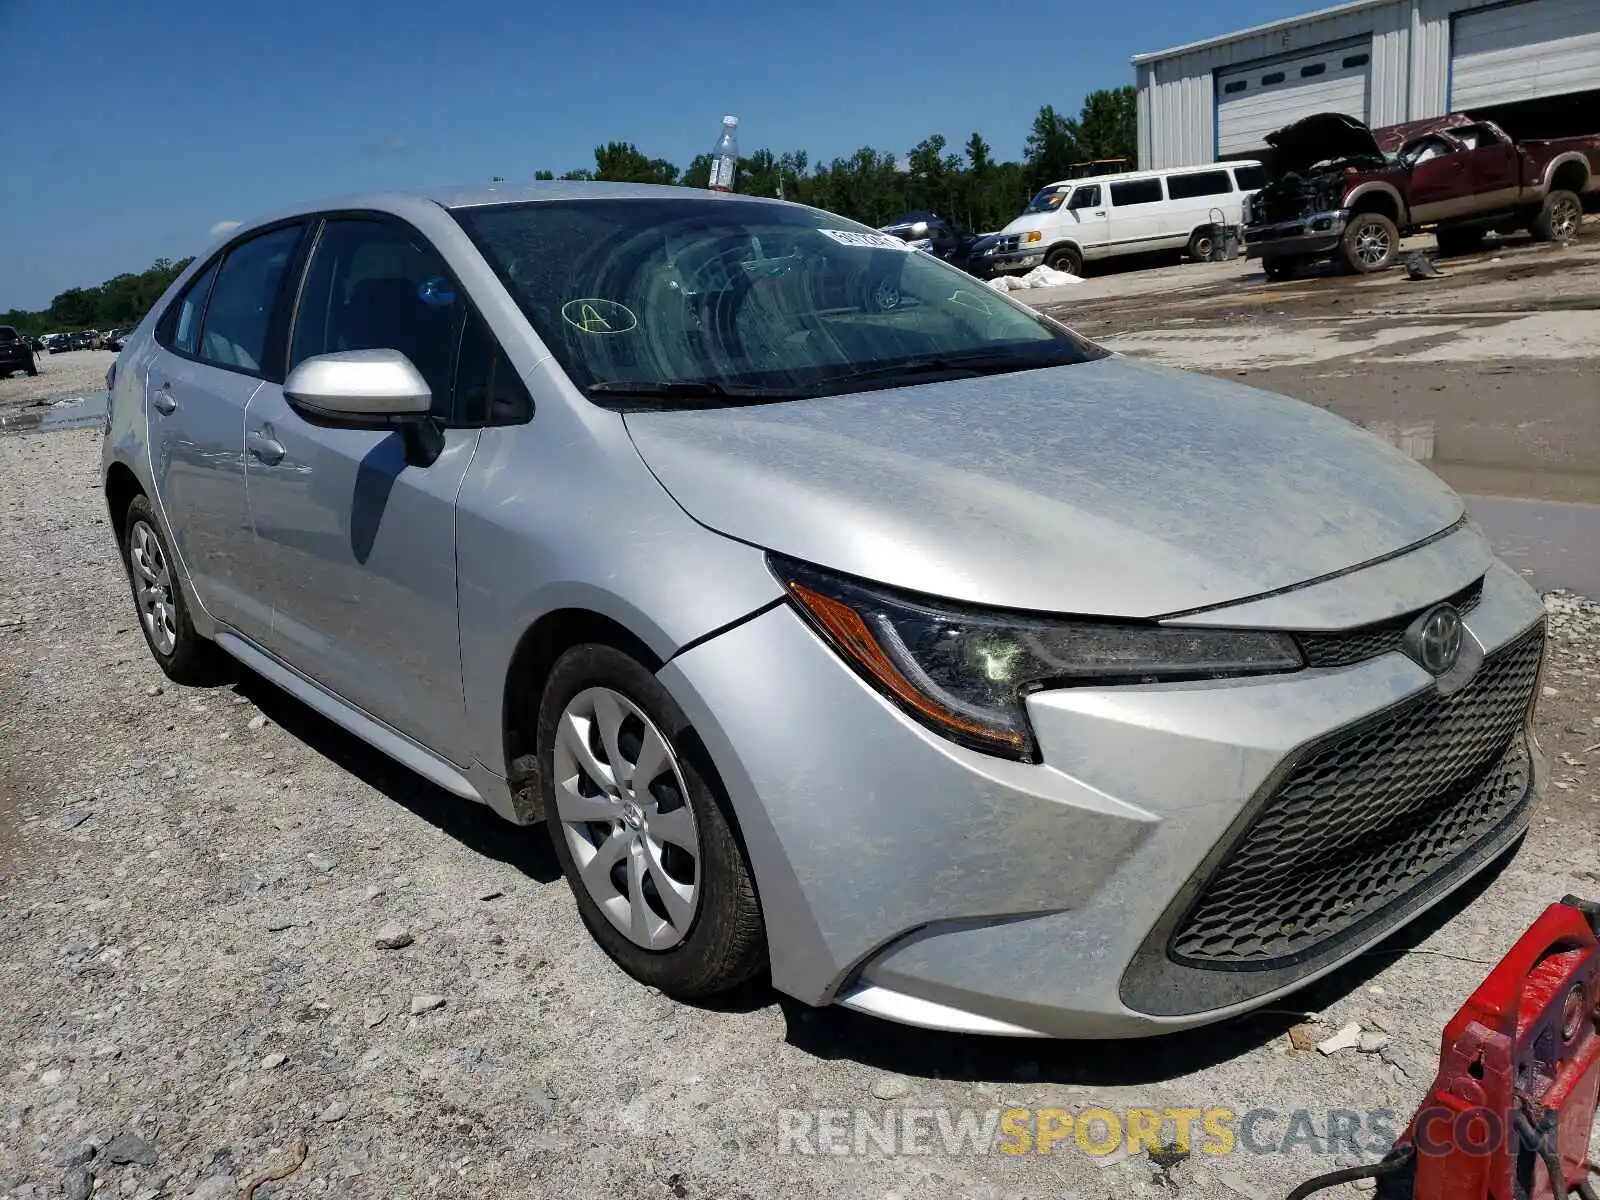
1339,189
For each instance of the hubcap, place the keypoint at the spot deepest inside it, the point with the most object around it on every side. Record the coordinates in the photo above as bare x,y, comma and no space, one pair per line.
1372,244
1564,219
152,583
624,810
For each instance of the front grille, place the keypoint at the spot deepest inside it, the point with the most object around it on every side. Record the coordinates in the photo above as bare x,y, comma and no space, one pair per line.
1364,819
1350,646
1007,244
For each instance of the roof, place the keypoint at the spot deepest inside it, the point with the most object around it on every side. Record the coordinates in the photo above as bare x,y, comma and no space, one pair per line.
1271,27
473,196
1159,172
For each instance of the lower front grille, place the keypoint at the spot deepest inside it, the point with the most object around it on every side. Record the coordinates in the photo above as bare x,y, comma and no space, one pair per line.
1363,820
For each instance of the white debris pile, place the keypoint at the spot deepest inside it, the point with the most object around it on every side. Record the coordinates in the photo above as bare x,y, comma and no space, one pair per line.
1039,277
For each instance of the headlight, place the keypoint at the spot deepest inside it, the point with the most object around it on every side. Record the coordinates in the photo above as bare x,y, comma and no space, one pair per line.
965,673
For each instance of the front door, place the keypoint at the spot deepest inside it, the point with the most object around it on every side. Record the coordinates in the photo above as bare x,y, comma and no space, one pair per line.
1440,185
1088,223
211,347
357,545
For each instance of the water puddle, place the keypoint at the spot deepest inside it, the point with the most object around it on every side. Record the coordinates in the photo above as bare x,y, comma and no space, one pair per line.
67,412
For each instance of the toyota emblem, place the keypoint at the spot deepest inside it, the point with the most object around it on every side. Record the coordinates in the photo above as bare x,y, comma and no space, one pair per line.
1436,640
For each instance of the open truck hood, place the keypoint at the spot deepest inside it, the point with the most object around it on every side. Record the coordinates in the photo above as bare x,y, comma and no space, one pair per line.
1325,137
1110,488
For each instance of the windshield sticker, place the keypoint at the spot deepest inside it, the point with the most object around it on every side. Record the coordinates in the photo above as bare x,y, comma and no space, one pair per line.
436,292
592,315
864,241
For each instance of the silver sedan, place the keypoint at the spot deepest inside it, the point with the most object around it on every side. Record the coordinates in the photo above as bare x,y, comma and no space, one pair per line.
921,656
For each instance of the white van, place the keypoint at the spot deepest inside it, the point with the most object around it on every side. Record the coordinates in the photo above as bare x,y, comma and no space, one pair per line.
1081,220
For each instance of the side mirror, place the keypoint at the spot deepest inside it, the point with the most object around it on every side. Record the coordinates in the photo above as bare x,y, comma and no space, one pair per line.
365,387
369,389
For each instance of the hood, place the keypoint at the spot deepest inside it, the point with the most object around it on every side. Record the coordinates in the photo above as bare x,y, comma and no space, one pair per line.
1110,488
1322,138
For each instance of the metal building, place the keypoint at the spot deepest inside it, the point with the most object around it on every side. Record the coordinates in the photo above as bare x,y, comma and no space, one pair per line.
1384,61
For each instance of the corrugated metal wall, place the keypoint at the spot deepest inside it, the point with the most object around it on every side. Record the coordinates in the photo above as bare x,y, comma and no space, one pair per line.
1410,73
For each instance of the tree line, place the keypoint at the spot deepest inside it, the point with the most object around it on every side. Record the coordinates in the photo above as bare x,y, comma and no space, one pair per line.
120,300
970,188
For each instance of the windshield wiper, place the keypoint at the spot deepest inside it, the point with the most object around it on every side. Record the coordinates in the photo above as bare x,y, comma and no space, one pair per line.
977,364
690,389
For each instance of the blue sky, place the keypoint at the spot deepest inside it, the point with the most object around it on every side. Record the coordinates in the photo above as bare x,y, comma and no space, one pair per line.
132,128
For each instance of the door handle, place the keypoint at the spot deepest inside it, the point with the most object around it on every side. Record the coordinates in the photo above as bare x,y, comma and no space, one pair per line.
264,446
1100,212
165,401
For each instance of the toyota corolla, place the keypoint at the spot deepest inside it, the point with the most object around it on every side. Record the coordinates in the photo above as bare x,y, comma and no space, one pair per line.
931,661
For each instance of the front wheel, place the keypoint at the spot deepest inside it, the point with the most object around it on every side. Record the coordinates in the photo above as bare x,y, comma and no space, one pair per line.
1560,218
1280,269
1371,243
647,847
1065,258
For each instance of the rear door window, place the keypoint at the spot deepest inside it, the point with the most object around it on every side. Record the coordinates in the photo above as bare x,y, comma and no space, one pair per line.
1200,183
1251,179
1131,192
234,333
180,327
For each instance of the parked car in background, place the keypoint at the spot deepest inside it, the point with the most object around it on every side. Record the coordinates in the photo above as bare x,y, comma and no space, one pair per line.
934,662
931,232
114,338
61,343
82,340
15,353
1343,190
1072,222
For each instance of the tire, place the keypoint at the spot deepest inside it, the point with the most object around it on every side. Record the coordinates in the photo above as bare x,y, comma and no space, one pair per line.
182,654
1200,245
1281,269
33,369
1560,218
1065,258
1453,242
703,944
1370,244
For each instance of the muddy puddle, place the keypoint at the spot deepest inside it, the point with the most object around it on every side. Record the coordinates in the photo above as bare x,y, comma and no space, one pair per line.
66,412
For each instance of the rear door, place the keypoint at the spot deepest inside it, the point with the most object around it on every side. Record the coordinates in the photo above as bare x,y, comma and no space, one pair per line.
212,344
1137,209
1494,166
357,544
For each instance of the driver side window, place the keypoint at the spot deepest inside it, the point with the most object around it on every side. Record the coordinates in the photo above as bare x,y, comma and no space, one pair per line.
376,285
1086,197
1426,150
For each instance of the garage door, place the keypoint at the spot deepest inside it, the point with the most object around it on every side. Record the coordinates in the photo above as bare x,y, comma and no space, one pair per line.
1524,52
1253,101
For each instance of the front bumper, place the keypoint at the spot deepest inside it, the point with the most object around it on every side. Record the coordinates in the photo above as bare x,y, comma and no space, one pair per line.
1316,234
905,876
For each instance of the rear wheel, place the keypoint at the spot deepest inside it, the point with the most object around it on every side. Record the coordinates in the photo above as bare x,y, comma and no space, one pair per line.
660,878
181,653
1371,243
1201,243
1065,258
1560,218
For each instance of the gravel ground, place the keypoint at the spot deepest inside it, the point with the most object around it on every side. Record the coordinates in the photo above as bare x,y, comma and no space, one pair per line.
193,885
59,375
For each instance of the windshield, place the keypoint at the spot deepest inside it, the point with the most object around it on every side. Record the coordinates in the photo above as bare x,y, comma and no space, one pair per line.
736,301
1049,199
8,334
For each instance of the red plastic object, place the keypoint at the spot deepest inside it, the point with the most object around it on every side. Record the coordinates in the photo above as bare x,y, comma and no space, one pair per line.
1528,1039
